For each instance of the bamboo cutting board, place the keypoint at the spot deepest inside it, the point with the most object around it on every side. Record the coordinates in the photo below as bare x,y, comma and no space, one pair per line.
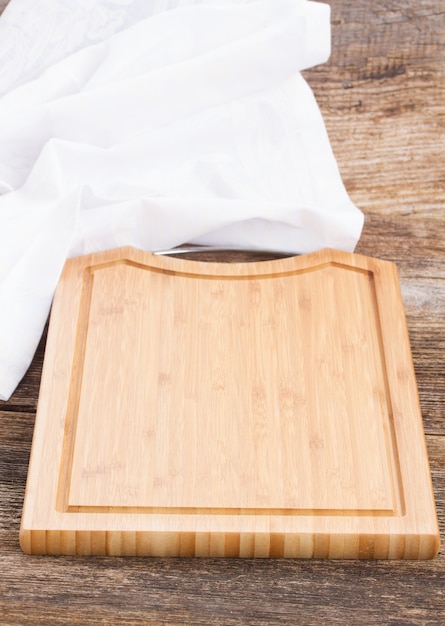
261,409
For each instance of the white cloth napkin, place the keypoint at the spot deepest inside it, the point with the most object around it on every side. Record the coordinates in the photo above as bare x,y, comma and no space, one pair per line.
153,123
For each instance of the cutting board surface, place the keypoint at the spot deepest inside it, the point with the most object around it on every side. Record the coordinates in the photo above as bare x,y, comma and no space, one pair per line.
255,409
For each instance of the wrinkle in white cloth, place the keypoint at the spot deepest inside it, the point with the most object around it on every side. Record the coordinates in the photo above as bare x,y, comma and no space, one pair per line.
157,123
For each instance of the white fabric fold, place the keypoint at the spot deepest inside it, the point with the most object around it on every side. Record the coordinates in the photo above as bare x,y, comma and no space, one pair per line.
177,121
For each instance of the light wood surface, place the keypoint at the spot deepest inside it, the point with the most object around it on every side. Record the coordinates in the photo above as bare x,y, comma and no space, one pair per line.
381,95
246,409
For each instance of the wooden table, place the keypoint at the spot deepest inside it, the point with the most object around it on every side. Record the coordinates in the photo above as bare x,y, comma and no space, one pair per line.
382,96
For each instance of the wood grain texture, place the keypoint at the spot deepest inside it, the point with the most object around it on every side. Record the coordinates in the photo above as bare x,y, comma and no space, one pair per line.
384,103
404,226
243,410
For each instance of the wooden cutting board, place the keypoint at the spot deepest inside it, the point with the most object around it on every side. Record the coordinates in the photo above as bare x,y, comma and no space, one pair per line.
261,409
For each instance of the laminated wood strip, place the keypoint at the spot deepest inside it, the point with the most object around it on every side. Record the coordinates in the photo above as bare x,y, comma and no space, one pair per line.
188,408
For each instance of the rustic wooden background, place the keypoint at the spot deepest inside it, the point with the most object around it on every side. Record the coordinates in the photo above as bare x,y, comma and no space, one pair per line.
382,96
